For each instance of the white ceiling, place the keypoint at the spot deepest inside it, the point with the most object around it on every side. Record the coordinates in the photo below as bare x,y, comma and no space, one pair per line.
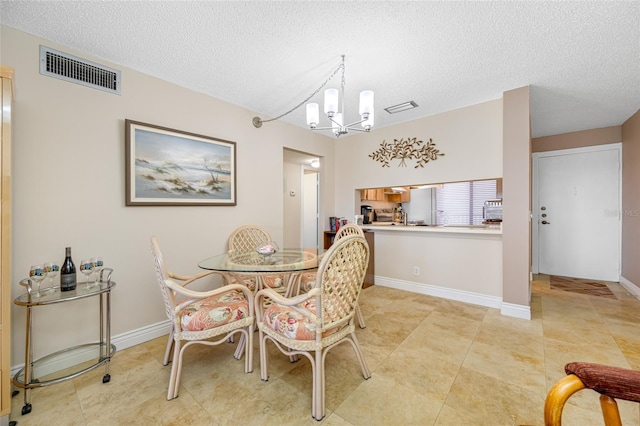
581,59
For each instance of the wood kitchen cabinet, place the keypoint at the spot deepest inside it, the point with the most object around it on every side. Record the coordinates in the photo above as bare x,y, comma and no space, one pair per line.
399,197
375,194
385,194
369,236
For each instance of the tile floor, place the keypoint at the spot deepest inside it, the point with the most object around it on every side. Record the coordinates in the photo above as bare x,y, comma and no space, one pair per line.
433,362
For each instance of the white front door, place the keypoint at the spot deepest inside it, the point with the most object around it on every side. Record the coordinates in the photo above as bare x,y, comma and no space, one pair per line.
577,212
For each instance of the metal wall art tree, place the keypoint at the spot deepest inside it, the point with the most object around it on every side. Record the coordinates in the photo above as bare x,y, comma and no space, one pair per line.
406,149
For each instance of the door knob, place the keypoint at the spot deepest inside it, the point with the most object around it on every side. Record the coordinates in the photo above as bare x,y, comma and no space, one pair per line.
544,222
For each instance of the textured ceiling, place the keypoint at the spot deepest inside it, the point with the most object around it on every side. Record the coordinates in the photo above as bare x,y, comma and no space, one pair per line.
581,59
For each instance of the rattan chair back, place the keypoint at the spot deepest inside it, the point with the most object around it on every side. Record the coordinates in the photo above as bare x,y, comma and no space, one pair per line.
247,237
349,229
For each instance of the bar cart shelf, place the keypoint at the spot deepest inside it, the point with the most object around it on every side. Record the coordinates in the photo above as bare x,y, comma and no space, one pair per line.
96,352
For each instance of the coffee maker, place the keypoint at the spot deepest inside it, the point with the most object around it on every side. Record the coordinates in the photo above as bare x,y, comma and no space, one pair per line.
367,213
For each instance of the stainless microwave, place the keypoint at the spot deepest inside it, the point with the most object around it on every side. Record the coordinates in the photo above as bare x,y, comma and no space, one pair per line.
493,210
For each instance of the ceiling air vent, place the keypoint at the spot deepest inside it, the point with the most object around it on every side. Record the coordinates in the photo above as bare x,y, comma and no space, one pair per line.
76,70
401,107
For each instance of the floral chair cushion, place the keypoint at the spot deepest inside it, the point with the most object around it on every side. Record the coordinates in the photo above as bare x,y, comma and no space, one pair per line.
271,281
308,281
214,311
247,280
292,324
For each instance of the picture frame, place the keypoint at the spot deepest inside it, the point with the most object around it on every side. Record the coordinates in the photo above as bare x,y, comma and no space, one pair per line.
168,167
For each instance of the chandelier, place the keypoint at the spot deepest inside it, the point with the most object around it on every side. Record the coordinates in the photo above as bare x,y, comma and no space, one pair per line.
334,109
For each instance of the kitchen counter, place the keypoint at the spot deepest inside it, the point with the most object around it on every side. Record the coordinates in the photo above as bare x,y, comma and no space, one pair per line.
462,263
456,229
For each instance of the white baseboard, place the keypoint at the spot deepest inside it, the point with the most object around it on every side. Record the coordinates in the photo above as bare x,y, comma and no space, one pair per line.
443,292
509,309
121,341
517,311
141,335
630,287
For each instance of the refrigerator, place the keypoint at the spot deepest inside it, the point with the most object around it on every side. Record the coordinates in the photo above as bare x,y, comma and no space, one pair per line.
421,207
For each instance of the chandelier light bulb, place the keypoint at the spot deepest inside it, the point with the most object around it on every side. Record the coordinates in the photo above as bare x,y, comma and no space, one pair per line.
330,102
313,115
366,103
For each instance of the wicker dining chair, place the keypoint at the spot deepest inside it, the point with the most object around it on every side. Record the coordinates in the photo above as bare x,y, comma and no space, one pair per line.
308,279
198,317
611,382
313,323
245,239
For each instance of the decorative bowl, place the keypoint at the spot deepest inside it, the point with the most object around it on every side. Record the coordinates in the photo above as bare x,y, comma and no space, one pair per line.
267,249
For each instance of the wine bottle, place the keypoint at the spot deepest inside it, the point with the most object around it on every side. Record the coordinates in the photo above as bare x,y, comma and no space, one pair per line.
67,272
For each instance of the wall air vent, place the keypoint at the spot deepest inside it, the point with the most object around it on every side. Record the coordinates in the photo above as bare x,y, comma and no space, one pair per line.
76,70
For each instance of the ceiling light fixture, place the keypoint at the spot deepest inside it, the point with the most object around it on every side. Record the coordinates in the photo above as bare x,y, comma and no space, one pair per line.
315,164
335,114
401,107
397,189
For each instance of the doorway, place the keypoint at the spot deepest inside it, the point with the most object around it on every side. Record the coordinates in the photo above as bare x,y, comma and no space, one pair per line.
576,223
301,199
310,209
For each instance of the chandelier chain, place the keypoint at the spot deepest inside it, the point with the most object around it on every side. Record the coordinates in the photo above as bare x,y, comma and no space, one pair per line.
340,67
343,69
342,89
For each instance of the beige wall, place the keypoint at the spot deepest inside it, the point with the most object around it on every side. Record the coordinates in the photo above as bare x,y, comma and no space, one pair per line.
470,138
516,191
466,266
584,138
68,186
631,199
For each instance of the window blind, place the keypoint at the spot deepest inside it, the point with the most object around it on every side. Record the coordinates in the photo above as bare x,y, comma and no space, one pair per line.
462,203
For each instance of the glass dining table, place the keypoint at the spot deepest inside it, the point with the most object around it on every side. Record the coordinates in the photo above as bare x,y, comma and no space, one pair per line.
290,263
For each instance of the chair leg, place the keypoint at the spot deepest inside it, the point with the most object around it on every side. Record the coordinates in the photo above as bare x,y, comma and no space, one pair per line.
167,351
172,392
360,317
317,397
363,364
558,396
263,356
177,362
610,411
241,346
248,355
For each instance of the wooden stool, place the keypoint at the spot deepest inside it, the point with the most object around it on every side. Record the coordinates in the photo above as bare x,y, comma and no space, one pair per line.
610,382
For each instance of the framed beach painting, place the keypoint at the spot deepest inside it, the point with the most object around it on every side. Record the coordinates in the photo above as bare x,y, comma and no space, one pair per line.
166,167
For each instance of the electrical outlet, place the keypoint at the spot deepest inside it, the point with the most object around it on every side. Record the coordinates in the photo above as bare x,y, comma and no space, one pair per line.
416,271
